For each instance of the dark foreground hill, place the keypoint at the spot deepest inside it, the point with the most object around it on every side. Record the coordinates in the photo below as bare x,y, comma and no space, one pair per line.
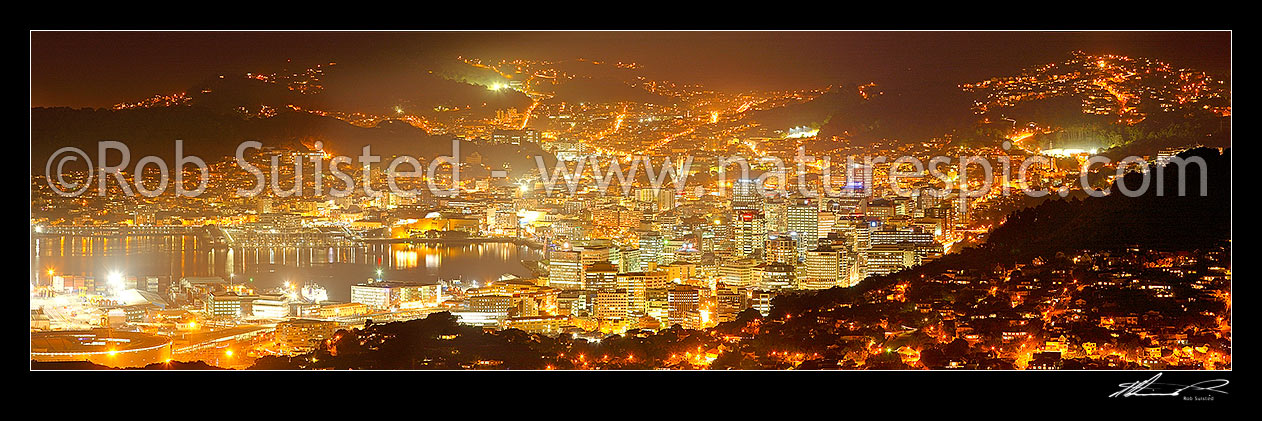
1166,221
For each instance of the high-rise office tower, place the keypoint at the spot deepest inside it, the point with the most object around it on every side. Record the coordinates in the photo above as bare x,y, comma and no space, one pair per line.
746,195
749,235
565,270
782,249
803,224
600,276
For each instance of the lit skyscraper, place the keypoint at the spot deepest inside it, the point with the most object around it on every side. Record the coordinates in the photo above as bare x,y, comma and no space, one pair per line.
749,234
803,224
565,270
746,195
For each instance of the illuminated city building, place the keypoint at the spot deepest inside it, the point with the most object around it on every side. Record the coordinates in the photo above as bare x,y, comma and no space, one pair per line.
739,272
613,304
546,325
750,234
575,302
338,310
515,137
889,258
600,276
776,213
778,276
761,300
636,285
685,306
302,335
731,301
271,306
746,196
823,269
514,299
392,295
629,260
782,249
926,247
678,271
230,305
651,246
803,224
565,270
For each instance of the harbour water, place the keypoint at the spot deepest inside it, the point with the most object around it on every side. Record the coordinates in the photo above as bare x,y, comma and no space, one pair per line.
334,268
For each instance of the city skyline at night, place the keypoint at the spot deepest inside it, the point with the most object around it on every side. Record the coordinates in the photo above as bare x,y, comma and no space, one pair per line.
631,200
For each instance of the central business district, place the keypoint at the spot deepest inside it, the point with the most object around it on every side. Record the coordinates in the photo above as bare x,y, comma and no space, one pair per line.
587,287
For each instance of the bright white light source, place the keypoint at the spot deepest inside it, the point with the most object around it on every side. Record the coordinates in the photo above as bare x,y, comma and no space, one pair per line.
115,281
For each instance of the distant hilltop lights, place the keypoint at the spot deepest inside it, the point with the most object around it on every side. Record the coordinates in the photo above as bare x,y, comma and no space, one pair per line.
801,132
1064,153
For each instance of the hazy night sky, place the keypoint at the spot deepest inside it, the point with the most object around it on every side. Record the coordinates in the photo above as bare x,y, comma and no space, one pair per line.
98,69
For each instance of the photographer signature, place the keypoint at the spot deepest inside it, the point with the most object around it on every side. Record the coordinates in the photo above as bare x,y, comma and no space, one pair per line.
1151,387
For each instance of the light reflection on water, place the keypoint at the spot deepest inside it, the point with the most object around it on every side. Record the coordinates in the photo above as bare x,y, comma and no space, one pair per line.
335,268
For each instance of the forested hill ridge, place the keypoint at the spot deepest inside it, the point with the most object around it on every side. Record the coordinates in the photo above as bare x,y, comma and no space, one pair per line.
1165,221
1151,221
